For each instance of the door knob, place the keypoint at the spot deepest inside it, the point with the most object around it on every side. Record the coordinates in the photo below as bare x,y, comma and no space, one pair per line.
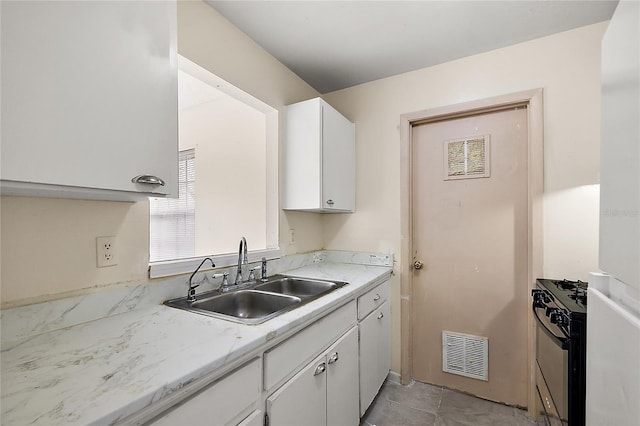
418,264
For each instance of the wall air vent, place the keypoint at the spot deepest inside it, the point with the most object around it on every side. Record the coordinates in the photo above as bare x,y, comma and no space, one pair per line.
465,355
466,158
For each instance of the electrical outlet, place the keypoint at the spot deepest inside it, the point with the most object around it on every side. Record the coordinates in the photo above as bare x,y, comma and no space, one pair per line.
106,251
292,237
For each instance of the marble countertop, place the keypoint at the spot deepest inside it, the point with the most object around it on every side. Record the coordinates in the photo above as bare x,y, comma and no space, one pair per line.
102,371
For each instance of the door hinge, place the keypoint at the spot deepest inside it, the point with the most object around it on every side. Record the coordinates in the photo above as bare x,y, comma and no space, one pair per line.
266,419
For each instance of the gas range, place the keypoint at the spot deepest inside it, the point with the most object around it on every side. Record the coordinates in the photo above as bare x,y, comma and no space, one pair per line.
560,309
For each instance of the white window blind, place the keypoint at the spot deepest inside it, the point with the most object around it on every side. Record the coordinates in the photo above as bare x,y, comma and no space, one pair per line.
172,227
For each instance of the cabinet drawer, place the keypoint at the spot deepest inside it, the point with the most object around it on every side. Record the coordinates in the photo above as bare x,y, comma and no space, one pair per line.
291,354
226,399
372,299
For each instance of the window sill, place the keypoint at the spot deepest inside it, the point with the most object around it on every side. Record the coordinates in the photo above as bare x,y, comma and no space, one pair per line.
187,266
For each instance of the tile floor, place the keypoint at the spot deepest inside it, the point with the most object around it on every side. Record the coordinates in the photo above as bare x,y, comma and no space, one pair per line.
421,404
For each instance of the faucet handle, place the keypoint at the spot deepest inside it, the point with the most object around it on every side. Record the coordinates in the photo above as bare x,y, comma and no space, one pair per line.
252,273
225,279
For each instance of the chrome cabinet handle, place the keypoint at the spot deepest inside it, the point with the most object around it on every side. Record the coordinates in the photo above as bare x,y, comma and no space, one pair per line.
333,358
320,369
330,202
148,179
381,315
375,299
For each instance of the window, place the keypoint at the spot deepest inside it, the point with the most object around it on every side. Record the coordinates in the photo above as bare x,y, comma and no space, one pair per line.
172,224
233,141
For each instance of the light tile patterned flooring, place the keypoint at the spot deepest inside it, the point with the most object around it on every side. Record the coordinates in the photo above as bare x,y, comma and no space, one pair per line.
421,404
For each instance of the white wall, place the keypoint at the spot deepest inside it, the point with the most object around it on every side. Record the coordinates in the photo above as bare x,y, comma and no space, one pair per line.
565,65
48,246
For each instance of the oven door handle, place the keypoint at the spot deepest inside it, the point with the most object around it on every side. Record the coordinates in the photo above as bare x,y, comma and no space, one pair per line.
562,342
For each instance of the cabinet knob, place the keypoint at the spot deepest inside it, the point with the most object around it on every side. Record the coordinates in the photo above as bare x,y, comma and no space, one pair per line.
320,369
330,202
418,264
333,358
148,179
376,298
381,315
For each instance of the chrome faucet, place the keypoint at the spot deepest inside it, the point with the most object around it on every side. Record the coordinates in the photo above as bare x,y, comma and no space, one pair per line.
242,260
191,293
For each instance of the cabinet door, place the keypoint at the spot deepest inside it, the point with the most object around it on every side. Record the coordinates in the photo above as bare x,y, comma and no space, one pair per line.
319,164
342,381
338,161
89,94
375,353
302,400
619,165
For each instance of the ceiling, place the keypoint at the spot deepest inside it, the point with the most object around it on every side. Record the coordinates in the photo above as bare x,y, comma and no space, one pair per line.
337,44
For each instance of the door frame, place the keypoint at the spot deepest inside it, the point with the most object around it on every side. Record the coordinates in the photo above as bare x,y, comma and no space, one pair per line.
535,187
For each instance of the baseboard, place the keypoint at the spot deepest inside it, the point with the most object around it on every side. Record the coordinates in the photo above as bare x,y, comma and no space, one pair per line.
394,377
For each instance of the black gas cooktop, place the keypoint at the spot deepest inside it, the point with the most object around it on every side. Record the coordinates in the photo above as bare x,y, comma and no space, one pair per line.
571,294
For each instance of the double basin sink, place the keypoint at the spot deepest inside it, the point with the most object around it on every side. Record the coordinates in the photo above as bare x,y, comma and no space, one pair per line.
257,302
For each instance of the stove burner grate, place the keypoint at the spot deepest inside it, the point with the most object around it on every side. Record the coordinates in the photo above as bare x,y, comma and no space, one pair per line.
571,285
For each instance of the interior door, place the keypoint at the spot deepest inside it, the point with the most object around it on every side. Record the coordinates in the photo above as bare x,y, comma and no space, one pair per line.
470,242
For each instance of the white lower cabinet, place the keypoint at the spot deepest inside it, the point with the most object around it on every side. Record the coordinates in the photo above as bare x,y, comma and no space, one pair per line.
225,402
375,343
342,381
324,392
327,374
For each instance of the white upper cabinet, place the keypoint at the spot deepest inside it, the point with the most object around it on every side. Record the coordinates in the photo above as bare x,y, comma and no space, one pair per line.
320,159
89,98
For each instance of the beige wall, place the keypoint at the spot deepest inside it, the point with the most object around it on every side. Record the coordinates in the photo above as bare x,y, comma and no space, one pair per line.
229,140
565,65
48,246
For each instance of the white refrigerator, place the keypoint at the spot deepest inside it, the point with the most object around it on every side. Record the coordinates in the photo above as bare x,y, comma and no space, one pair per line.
613,310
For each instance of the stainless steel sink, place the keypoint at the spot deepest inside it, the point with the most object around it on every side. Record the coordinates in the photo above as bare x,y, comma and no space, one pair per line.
257,302
246,304
299,287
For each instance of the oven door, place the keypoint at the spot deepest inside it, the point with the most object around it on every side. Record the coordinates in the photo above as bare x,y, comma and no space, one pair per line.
552,357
